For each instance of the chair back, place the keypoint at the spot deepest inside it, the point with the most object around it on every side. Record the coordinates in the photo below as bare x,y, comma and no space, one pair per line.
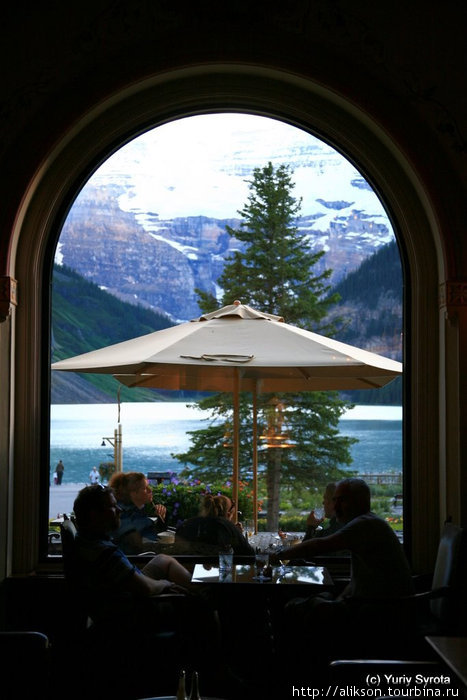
68,533
446,570
26,661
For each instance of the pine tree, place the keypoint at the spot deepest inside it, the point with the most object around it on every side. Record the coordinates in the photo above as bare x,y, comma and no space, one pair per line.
274,273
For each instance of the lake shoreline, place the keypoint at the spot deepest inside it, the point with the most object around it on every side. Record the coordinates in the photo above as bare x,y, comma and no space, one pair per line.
82,436
165,411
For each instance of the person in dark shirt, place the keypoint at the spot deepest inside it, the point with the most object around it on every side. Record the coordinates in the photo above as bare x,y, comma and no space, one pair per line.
59,469
113,587
380,577
379,566
122,601
213,530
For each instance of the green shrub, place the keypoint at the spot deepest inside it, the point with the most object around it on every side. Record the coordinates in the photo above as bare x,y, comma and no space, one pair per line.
183,498
381,506
106,469
388,490
295,523
287,523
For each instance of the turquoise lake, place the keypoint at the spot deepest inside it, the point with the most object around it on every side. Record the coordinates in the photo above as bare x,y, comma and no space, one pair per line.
153,431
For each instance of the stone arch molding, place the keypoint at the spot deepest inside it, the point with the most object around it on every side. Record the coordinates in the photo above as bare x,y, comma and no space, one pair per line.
182,93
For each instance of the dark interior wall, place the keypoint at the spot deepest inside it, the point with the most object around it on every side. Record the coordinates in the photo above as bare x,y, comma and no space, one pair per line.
39,603
401,64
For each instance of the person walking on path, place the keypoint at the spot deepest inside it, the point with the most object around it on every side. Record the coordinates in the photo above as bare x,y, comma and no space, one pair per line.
94,476
59,469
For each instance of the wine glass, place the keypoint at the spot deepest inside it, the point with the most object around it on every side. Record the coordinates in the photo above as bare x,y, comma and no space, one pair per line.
249,528
284,563
319,512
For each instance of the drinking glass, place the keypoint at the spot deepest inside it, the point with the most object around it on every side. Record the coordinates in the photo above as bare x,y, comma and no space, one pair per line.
261,562
249,528
225,576
225,561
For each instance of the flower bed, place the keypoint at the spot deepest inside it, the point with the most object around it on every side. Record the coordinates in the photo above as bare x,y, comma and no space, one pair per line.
183,498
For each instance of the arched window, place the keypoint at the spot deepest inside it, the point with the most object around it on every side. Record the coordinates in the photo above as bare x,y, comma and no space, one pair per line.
139,228
180,94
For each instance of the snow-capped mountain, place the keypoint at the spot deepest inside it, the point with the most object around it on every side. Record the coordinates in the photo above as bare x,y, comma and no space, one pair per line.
150,223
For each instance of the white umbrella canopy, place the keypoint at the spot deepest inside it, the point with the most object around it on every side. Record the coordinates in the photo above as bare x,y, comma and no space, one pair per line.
237,343
233,349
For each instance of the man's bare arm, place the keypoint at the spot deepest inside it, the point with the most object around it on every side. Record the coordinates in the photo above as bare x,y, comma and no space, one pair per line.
144,586
310,548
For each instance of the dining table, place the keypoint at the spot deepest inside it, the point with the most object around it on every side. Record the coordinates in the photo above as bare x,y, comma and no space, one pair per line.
251,606
453,653
245,574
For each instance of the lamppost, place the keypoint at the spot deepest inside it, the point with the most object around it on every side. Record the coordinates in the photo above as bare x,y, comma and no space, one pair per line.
116,443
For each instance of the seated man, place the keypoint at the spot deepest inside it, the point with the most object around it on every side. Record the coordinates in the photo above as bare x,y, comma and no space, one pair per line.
379,566
111,585
123,602
380,574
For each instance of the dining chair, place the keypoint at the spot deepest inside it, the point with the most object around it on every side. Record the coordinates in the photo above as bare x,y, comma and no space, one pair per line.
26,662
396,628
447,583
434,608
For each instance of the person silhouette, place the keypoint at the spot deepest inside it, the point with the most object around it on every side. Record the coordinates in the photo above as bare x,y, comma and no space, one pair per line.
94,476
59,469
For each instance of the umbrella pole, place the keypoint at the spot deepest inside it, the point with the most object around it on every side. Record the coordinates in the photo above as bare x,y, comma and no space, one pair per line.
118,439
255,458
120,448
236,438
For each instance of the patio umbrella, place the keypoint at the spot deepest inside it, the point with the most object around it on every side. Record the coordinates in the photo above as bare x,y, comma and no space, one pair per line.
233,349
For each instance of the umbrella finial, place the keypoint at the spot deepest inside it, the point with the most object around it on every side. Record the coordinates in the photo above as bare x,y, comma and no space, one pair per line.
237,303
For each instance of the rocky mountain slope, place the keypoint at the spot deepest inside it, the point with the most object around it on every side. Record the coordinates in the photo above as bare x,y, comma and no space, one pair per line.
372,308
149,225
162,268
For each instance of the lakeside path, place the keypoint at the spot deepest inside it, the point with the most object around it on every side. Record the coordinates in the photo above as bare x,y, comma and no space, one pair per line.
62,498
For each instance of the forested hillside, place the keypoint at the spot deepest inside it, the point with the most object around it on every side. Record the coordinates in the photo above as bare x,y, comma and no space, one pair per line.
371,306
84,318
378,277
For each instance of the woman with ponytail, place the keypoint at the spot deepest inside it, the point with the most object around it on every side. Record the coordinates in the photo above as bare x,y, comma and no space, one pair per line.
213,530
